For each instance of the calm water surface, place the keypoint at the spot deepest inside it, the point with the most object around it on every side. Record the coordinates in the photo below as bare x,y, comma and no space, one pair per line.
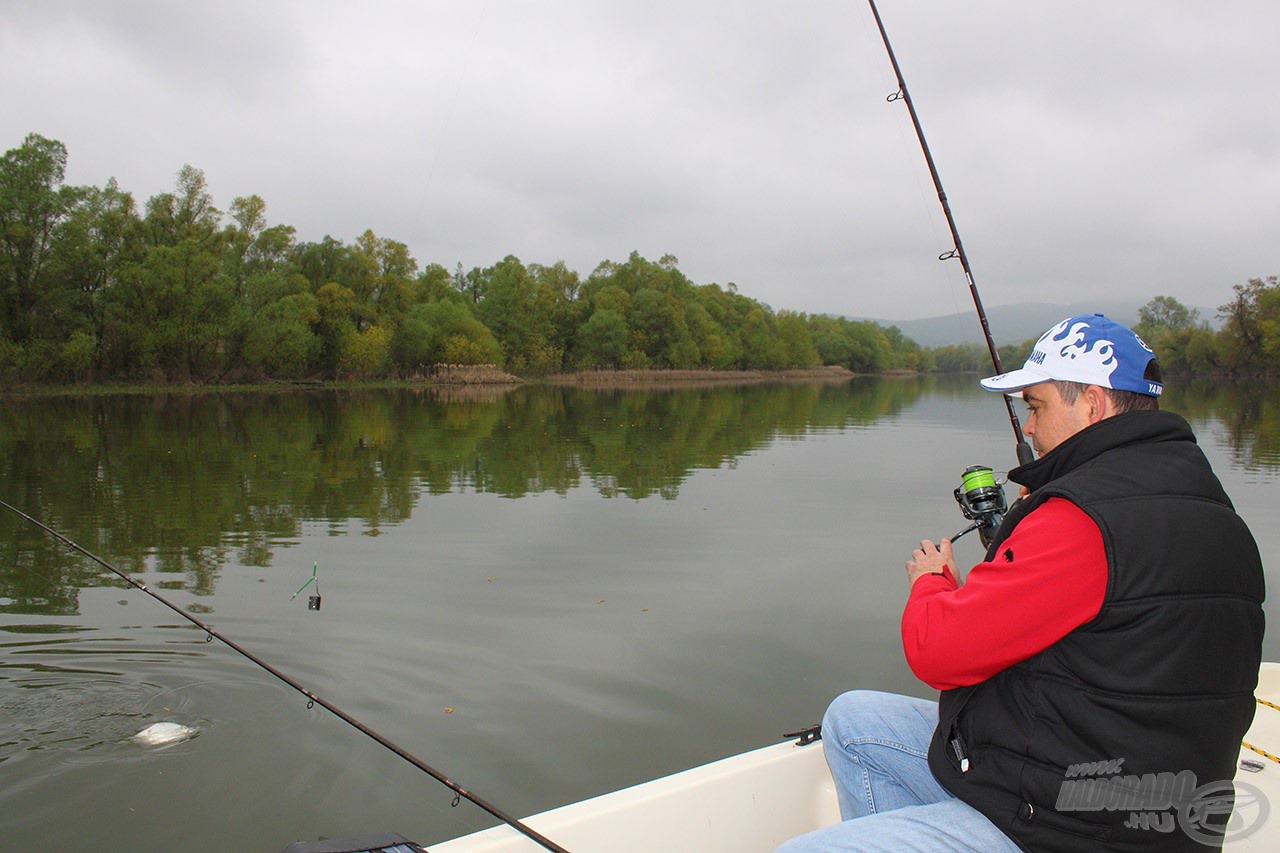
544,593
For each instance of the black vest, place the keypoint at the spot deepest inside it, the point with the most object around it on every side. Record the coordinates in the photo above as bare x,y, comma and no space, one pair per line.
1160,682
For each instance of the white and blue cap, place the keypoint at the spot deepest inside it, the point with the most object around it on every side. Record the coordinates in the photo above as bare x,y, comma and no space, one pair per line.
1090,349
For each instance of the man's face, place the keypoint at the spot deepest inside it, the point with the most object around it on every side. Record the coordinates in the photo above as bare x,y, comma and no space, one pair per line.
1050,421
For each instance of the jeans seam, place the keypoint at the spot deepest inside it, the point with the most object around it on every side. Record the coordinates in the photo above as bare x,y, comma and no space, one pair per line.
891,744
867,786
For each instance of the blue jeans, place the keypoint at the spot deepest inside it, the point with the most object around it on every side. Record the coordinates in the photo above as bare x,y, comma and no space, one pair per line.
876,746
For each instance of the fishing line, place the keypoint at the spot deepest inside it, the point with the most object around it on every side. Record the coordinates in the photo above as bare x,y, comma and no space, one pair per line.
312,699
957,252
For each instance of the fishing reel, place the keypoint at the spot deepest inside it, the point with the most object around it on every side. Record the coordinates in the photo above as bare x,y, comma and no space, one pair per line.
981,499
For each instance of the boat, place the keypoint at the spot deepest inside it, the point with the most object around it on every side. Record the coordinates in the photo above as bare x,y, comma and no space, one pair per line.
757,800
752,801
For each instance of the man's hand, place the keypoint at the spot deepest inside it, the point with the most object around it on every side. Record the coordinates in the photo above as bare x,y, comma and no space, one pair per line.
930,558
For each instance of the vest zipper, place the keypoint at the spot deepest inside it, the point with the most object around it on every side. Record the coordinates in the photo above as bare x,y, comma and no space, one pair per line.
957,746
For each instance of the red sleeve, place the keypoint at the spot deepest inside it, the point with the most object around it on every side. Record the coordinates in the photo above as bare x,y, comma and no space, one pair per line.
1049,578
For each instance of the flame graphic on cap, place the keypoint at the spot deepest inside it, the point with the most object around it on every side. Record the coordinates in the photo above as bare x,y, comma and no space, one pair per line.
1075,349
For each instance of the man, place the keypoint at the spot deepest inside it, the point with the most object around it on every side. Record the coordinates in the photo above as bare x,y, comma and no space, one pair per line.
1097,669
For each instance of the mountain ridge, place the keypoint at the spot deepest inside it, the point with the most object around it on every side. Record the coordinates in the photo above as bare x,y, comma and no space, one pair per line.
1013,324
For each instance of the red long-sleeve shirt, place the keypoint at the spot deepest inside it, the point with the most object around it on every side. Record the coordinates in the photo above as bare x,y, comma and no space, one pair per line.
1049,577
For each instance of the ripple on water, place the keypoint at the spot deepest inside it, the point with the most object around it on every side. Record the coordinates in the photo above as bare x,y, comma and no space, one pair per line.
87,716
67,699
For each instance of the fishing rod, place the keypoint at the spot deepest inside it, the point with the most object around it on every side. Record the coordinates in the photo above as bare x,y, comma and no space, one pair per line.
312,699
1023,448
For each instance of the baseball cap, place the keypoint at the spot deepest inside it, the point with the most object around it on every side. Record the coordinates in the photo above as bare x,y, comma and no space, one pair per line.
1090,349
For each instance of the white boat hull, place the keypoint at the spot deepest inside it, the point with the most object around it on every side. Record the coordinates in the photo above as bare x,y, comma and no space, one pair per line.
755,801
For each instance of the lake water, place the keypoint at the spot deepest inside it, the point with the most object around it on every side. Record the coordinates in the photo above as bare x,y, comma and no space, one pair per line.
544,593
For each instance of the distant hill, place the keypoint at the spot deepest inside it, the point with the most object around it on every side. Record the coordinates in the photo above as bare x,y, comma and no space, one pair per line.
1013,324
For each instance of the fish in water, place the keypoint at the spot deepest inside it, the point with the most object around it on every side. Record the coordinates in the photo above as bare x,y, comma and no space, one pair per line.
163,734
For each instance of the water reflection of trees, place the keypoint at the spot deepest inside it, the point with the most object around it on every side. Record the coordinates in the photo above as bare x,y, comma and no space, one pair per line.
1249,412
183,483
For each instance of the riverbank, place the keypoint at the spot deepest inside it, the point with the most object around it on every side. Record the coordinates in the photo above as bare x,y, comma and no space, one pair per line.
664,378
460,376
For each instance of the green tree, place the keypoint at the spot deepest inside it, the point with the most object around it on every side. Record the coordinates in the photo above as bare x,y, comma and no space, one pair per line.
335,306
248,215
558,278
366,354
470,285
188,303
1269,322
558,287
962,358
323,262
186,214
869,348
95,245
668,324
33,204
904,353
832,344
1245,318
1202,351
611,297
435,284
658,330
761,348
173,312
796,343
1164,313
602,340
864,346
259,265
443,332
385,277
519,311
279,341
1014,355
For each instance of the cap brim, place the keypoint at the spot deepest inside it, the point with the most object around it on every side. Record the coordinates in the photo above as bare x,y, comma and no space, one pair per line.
1014,380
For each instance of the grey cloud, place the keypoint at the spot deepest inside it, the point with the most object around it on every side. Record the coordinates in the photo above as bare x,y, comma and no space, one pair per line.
1089,149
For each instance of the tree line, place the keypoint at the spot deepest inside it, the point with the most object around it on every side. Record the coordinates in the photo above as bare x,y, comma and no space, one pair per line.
95,288
1246,344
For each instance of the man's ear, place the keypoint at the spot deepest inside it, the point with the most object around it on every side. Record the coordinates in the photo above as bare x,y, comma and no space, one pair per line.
1098,402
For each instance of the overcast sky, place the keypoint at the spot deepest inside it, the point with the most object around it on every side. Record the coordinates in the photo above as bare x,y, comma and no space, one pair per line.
1090,149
